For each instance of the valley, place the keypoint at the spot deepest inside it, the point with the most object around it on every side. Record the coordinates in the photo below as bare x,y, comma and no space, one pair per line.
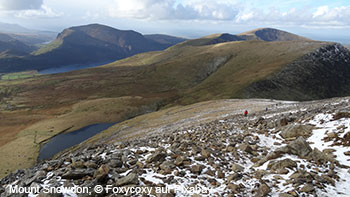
170,86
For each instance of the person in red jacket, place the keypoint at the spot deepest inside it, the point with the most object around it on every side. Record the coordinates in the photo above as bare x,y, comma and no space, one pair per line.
246,113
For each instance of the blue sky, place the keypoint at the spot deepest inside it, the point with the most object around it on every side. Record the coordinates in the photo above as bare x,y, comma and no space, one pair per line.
319,19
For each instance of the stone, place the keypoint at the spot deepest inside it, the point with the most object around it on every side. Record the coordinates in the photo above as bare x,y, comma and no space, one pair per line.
220,174
285,195
246,148
262,191
90,164
205,153
328,150
347,153
233,187
179,160
197,169
131,178
282,164
320,157
101,173
332,135
299,147
116,163
307,188
77,174
283,121
282,171
78,164
167,166
237,168
157,156
234,177
291,131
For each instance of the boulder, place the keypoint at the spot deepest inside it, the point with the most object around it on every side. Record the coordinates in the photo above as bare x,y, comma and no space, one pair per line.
205,153
78,174
298,130
116,163
307,188
131,178
299,147
197,169
262,191
101,173
157,157
237,168
282,164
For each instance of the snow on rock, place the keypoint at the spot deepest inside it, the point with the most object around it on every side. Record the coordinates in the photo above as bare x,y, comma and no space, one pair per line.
231,156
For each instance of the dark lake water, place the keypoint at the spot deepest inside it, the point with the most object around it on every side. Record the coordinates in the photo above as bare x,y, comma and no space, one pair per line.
67,140
63,69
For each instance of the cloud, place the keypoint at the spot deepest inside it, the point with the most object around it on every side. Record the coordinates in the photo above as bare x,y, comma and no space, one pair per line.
43,12
20,4
170,10
235,11
337,14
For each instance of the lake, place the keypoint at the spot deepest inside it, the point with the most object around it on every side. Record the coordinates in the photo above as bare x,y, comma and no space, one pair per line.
66,140
63,69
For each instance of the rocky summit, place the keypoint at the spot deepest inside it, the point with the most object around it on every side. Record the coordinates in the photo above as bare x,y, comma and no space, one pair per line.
289,149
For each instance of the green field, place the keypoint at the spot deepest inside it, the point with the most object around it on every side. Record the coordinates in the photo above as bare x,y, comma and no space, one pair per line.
19,75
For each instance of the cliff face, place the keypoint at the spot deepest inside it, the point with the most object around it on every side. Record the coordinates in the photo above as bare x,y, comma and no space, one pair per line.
320,74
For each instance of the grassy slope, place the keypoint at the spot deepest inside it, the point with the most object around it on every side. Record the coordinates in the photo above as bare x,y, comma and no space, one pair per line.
46,105
250,62
49,47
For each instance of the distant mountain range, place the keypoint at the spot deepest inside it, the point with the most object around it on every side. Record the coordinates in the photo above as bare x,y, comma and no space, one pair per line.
25,35
88,44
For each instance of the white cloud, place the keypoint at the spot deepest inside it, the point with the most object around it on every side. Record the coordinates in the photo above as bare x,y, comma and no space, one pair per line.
43,12
337,14
169,9
20,4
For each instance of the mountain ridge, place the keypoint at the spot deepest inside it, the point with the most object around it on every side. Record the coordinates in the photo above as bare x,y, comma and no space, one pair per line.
92,43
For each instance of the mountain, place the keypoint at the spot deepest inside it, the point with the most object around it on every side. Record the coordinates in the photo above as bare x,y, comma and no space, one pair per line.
13,28
34,109
11,47
25,35
262,34
270,34
213,39
347,46
86,44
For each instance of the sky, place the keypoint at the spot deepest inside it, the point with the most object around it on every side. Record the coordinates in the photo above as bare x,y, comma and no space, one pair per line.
318,19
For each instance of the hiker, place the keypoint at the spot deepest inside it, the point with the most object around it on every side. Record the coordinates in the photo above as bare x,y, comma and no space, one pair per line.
246,113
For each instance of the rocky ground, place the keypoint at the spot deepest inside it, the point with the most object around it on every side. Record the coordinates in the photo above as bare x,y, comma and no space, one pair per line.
292,149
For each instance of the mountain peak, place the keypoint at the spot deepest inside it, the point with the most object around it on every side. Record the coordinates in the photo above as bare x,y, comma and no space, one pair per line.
271,34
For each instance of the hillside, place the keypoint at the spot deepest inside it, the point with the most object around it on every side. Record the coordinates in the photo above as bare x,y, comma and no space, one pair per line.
293,149
85,45
34,109
12,47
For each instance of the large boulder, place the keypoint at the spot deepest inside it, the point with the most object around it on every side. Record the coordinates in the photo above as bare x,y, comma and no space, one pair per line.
297,130
299,147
